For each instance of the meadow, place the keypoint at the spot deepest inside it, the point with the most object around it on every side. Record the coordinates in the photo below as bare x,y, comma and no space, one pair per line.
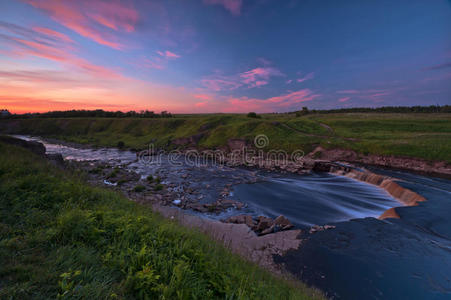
61,238
418,135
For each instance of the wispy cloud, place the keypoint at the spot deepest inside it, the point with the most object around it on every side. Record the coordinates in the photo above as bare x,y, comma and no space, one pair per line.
53,34
158,61
259,76
306,77
49,44
284,102
168,54
95,20
438,67
256,77
374,95
62,56
234,6
219,83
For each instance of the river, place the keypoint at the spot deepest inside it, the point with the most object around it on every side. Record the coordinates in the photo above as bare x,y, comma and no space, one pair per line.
363,257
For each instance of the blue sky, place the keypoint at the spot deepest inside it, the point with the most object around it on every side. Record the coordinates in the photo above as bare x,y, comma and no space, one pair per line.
223,55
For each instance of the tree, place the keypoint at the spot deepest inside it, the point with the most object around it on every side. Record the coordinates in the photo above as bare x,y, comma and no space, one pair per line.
253,115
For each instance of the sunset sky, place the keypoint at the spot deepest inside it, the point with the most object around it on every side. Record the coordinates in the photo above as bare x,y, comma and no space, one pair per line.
223,55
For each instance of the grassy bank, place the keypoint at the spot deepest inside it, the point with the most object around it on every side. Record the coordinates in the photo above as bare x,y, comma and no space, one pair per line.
420,135
62,238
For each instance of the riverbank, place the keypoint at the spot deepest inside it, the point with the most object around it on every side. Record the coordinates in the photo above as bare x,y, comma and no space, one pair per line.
422,137
310,262
62,237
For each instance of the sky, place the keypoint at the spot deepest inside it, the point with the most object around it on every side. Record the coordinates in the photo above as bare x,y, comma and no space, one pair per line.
205,56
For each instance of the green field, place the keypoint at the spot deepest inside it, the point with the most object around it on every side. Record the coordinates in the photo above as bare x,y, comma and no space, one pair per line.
420,135
60,238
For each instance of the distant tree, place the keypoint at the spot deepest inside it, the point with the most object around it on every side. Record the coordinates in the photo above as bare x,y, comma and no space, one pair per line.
4,113
253,115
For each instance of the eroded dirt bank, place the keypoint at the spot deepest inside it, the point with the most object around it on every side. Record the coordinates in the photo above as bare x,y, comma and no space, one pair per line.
438,168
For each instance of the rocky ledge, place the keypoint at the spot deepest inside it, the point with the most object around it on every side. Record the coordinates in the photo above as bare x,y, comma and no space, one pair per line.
261,225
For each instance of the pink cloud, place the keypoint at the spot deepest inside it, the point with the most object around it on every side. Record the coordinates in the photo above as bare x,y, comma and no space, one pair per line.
234,6
201,104
306,77
168,54
373,95
203,96
285,102
158,62
53,34
348,92
59,54
111,15
259,76
253,78
220,84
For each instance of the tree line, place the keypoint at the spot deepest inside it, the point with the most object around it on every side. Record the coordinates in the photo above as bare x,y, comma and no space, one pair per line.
383,109
98,113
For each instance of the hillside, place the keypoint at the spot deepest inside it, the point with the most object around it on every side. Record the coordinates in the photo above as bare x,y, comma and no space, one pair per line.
417,135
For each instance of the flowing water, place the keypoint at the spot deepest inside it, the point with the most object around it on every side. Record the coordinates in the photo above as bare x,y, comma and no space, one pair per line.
306,200
407,258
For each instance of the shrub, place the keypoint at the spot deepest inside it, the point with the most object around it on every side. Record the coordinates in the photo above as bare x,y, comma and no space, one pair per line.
120,144
139,188
253,115
158,187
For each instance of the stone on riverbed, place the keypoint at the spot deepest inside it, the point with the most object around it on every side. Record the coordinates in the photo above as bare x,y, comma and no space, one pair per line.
262,225
241,219
317,228
282,223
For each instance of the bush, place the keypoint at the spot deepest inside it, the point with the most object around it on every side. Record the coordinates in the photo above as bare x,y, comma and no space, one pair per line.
139,188
158,187
253,115
120,144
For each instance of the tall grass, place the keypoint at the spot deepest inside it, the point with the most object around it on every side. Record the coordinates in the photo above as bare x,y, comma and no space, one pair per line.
60,238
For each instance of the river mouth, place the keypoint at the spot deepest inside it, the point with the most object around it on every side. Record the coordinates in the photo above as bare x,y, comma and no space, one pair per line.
306,200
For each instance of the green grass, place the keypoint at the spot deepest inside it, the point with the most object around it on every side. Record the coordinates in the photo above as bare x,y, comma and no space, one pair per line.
424,135
60,238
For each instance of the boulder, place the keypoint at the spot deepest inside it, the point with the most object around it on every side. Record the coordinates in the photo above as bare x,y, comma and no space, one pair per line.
282,223
317,228
268,230
198,207
241,219
228,203
263,223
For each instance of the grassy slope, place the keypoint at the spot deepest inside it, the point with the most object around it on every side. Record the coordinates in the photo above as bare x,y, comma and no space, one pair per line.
425,136
59,236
